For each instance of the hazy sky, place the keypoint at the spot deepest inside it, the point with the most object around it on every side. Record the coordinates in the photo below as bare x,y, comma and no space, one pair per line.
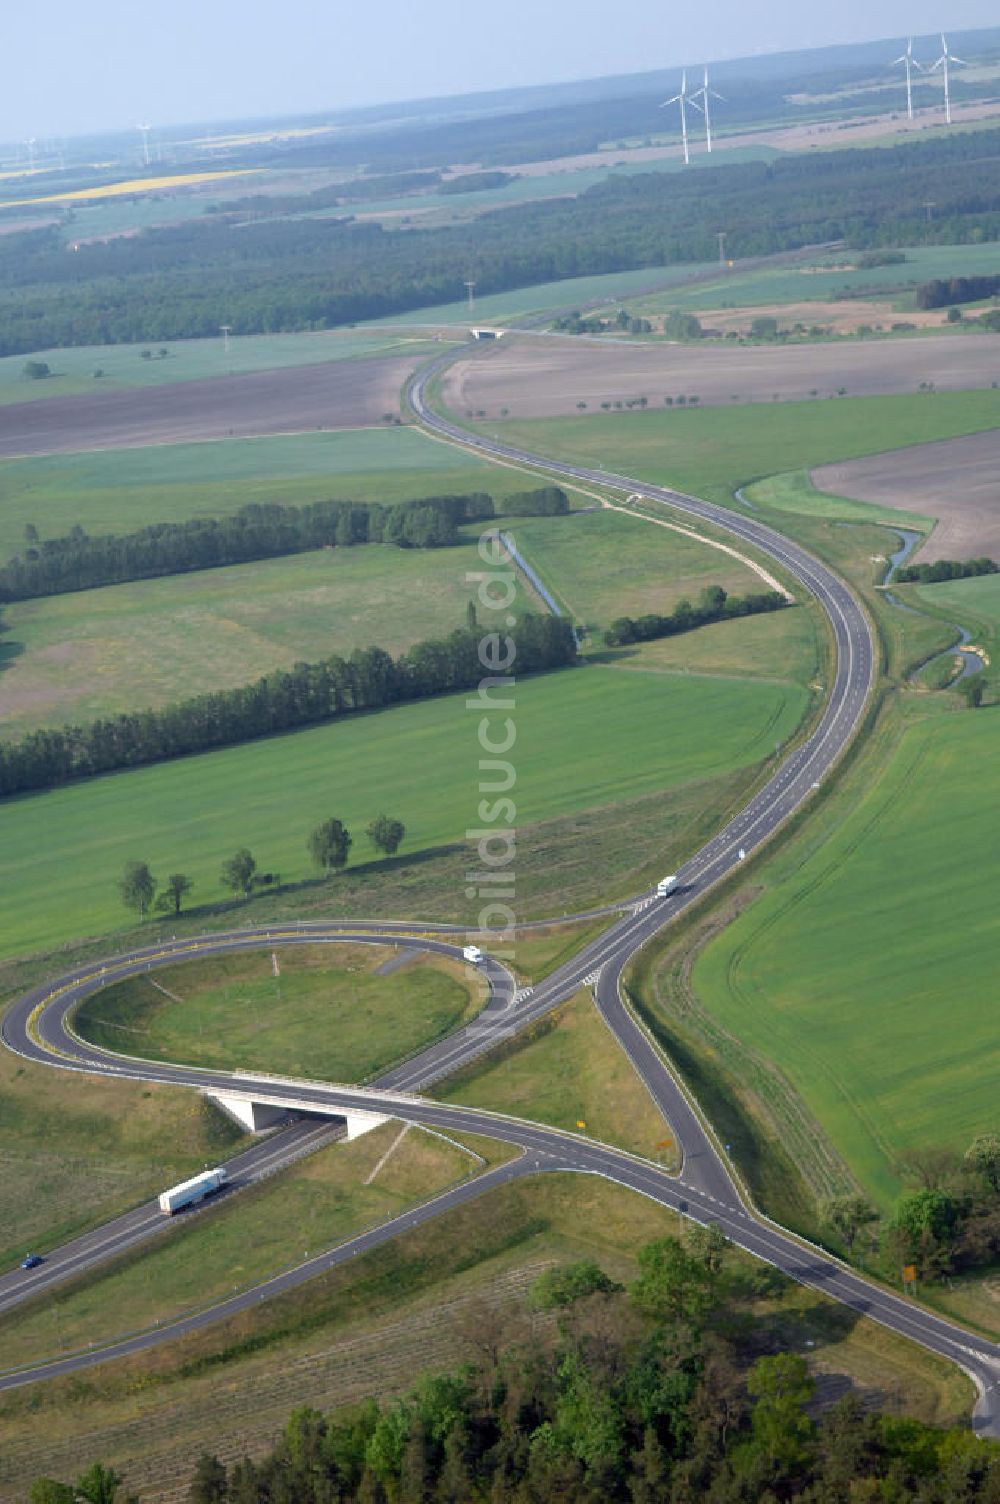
77,65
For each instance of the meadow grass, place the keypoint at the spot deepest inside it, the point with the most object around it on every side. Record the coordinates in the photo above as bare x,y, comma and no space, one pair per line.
889,1039
600,565
973,603
718,448
319,1201
124,368
76,657
568,1070
124,489
321,1012
79,1150
585,738
779,645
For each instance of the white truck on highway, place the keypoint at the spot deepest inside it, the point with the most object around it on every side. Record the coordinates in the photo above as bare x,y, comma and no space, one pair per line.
472,953
191,1191
666,885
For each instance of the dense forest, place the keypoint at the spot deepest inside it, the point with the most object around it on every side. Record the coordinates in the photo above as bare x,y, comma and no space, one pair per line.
184,280
674,1390
306,695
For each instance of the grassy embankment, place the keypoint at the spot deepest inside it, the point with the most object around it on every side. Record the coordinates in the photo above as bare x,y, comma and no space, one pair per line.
320,1011
569,1071
436,1297
318,1202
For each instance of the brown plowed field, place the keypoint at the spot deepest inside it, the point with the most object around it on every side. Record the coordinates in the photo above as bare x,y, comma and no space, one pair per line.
547,377
342,394
955,480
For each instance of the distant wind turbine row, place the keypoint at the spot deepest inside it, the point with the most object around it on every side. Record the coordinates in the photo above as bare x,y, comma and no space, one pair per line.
700,99
909,62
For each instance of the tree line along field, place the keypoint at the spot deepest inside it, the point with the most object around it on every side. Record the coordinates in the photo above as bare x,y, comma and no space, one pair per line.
73,370
890,1040
128,489
586,737
326,1012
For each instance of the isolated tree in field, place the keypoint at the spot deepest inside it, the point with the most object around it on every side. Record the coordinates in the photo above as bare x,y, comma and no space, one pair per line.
983,1155
137,886
847,1215
330,845
471,619
176,889
672,1285
36,370
99,1485
386,834
238,873
30,534
50,1491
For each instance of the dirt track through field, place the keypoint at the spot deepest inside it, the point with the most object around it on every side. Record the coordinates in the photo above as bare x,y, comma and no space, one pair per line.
547,378
955,480
340,394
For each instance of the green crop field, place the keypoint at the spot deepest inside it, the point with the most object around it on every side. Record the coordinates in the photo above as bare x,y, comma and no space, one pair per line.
722,447
605,564
323,1011
824,278
124,367
890,1038
79,656
120,490
548,297
585,737
795,492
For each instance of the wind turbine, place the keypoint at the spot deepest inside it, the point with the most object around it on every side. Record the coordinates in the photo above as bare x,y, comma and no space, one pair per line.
145,129
909,62
704,94
682,99
942,63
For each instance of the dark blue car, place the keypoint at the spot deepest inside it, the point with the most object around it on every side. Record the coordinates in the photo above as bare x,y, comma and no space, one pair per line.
32,1261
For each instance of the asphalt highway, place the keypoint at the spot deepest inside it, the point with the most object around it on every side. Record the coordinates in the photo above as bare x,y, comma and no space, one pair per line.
39,1026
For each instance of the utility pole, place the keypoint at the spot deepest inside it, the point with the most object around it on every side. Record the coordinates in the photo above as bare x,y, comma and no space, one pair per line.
226,330
472,296
722,247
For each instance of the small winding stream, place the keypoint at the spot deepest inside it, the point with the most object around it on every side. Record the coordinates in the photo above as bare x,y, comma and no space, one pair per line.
908,541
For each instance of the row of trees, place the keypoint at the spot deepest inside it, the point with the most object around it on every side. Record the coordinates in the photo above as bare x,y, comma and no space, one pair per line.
943,292
944,569
76,561
714,605
329,847
652,1394
285,700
